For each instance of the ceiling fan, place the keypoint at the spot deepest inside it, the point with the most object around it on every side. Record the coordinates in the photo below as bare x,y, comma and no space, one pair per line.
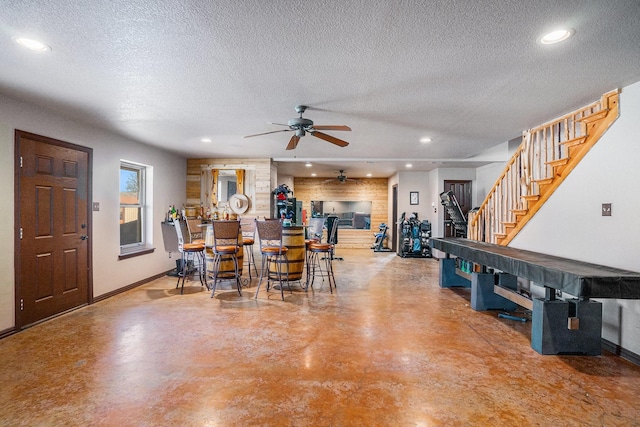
302,126
342,178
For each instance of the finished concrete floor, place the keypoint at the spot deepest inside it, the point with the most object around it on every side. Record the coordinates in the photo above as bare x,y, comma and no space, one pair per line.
390,348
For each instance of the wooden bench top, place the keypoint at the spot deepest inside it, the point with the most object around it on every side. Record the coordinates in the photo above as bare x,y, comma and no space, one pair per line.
577,278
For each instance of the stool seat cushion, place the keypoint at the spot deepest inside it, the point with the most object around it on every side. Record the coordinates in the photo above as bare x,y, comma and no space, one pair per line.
193,247
307,242
320,247
274,250
225,249
248,241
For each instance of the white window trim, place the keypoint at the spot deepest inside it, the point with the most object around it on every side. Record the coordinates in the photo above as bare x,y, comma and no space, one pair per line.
144,243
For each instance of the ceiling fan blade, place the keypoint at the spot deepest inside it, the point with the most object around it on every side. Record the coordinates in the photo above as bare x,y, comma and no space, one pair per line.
293,142
331,127
277,124
267,133
330,139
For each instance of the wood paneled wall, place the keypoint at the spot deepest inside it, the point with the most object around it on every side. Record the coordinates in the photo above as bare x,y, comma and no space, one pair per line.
257,181
261,179
374,190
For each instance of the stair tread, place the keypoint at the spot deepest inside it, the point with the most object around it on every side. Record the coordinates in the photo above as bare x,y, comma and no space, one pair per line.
558,162
575,141
594,116
544,181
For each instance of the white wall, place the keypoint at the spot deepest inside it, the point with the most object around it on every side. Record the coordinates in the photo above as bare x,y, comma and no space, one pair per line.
570,223
109,274
486,177
453,174
408,182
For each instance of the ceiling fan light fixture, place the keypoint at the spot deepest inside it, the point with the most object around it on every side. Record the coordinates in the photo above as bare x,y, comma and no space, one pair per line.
301,126
557,36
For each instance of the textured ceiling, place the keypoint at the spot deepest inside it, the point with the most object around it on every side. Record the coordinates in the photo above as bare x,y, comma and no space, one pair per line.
468,74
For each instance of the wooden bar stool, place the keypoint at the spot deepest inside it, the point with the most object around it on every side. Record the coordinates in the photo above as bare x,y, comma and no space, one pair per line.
226,245
190,252
321,252
314,235
248,227
273,251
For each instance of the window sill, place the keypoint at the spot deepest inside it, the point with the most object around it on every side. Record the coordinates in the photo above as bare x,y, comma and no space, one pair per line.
134,252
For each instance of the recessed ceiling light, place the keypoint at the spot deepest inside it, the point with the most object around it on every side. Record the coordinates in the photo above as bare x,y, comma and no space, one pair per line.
556,36
425,140
408,165
314,174
32,44
308,164
369,175
206,140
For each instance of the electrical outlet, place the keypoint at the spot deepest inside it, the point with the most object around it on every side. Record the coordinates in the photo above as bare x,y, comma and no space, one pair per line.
606,209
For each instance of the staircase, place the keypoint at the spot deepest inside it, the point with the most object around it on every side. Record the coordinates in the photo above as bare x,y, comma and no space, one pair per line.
543,160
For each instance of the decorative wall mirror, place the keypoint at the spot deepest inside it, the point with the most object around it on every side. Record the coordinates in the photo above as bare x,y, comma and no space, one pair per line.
217,185
228,183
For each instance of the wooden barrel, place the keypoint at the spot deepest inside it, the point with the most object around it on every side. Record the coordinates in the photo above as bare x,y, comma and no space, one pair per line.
190,212
227,269
293,239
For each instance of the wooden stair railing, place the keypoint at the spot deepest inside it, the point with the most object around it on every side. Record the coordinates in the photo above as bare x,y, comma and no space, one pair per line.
546,156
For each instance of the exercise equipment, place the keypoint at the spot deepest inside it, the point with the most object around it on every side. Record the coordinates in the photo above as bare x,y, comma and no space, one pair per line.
414,237
381,236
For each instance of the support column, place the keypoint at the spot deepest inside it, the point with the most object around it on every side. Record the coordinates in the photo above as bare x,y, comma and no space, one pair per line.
448,276
566,327
482,296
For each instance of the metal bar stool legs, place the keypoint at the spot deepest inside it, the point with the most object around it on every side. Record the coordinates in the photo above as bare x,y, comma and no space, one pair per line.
276,259
217,259
189,254
248,253
315,266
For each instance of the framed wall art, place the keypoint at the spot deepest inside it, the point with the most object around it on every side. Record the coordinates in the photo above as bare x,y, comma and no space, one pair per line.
413,197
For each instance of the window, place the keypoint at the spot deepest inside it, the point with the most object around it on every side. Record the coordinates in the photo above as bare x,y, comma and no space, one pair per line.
132,206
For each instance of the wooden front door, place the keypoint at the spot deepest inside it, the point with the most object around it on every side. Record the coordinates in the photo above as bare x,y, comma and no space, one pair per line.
53,227
462,191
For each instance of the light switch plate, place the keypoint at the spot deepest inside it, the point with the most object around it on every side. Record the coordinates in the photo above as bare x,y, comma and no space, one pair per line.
606,209
96,206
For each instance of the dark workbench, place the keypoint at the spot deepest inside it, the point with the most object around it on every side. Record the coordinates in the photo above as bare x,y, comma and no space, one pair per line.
581,279
566,326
